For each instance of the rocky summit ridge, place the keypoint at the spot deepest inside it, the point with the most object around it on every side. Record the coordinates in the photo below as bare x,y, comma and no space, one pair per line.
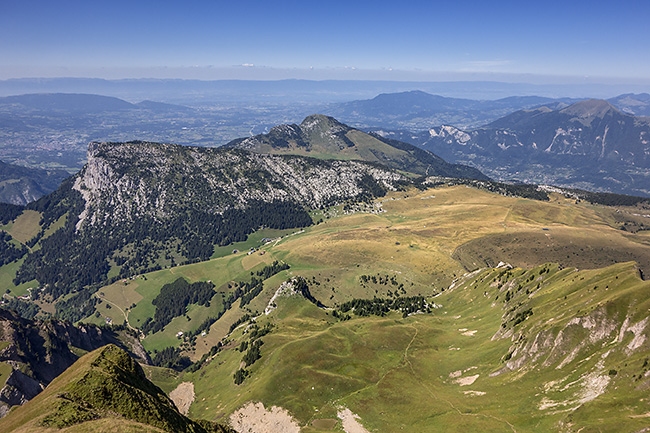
36,351
588,145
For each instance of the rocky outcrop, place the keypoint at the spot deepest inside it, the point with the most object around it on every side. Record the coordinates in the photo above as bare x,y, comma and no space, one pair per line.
17,390
601,331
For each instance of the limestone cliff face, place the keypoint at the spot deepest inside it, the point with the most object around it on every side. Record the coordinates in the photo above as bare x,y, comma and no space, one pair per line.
124,181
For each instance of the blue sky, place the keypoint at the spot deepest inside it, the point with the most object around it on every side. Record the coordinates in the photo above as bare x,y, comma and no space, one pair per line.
402,40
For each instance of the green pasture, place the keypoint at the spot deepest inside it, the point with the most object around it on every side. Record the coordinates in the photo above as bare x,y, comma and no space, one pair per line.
443,371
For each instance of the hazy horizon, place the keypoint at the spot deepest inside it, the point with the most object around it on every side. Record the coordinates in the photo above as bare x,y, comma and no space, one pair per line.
549,43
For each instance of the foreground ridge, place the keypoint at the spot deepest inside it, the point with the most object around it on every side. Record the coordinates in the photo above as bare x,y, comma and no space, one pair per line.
106,384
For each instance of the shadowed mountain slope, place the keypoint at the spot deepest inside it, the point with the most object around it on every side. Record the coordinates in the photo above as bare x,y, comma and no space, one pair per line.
21,185
34,352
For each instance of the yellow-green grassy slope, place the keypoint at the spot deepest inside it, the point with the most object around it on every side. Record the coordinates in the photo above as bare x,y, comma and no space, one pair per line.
416,240
363,147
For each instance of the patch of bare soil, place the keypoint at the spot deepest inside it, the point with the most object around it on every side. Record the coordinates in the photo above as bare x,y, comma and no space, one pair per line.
350,421
183,396
464,381
590,386
254,417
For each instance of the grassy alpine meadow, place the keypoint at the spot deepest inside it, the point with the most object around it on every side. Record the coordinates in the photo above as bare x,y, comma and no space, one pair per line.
5,371
7,274
448,371
25,227
537,321
133,297
424,239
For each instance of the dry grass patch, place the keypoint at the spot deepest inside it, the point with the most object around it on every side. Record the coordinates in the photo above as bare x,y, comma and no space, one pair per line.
248,262
122,294
26,226
582,248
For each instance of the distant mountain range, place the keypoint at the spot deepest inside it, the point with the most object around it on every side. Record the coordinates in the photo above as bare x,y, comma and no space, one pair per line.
414,109
590,145
190,92
21,185
54,129
636,104
46,129
79,103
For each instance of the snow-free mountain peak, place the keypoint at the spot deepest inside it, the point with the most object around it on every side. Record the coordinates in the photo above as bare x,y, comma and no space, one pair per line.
591,108
324,137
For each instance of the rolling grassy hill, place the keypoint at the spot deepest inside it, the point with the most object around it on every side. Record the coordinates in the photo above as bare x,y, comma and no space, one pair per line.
466,366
